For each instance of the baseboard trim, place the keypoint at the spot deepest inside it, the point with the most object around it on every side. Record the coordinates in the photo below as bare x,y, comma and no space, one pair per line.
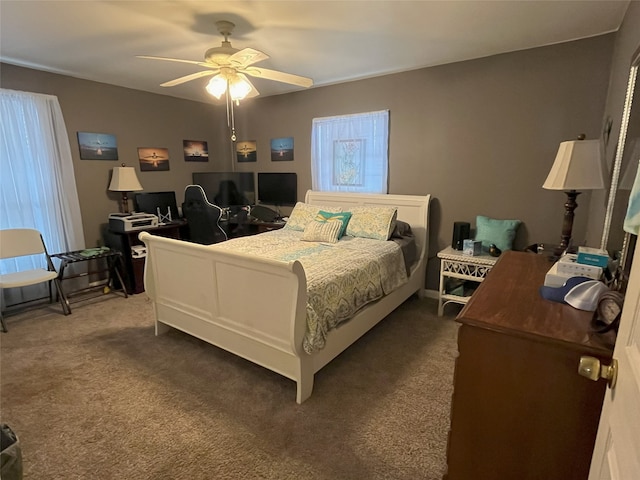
430,293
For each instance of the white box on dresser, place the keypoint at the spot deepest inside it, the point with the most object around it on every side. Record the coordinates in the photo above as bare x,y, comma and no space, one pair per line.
568,265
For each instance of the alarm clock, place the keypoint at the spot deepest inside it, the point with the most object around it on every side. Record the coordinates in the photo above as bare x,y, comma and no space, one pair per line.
608,311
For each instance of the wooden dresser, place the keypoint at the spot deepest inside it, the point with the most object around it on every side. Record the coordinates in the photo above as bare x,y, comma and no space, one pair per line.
519,408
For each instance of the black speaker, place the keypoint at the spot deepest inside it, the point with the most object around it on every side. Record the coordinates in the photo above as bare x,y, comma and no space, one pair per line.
461,231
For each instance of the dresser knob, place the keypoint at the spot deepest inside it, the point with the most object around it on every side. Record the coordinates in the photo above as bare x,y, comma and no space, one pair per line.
591,368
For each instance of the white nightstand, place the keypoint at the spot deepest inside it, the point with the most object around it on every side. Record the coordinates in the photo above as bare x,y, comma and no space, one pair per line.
466,268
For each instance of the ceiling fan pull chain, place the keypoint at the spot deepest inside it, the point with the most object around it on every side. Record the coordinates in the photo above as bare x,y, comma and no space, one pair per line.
226,99
232,117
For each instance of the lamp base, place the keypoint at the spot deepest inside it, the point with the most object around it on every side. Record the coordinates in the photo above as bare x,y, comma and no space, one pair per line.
124,203
567,223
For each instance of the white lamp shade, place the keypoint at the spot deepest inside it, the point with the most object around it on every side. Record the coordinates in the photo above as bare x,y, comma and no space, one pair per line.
578,166
239,88
217,86
238,85
124,179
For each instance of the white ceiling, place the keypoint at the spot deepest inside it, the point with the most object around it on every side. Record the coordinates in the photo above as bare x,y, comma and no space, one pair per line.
329,41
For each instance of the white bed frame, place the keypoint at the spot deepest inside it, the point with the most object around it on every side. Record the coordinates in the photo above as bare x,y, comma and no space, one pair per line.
256,308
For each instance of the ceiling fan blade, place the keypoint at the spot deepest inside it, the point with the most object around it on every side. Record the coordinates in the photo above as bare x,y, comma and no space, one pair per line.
187,78
247,56
192,62
278,76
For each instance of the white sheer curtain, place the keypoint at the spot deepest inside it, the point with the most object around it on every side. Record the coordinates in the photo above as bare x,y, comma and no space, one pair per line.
37,182
350,153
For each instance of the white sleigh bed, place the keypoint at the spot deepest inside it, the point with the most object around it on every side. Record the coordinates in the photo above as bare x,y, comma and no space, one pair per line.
256,307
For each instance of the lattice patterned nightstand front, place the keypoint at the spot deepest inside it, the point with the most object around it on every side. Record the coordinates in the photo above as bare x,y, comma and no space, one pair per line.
465,268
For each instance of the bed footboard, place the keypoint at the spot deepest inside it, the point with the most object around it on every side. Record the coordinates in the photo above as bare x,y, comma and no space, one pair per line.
252,307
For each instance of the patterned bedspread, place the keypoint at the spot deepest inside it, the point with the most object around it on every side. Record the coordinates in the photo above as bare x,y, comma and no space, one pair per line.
341,277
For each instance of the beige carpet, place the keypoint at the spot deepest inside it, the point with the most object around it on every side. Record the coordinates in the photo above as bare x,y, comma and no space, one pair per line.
96,395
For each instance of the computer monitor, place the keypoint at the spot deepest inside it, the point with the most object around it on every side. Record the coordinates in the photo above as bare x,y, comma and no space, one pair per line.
149,202
278,188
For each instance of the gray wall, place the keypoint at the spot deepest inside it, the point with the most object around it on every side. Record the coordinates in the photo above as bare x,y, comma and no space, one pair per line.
480,136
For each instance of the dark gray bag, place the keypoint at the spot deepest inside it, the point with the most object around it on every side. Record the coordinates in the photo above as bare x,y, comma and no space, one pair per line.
10,454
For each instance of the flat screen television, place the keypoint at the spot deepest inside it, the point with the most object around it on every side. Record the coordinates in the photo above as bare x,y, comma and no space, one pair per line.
149,202
278,188
227,189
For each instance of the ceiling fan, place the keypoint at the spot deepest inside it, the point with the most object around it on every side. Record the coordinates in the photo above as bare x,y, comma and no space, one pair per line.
230,67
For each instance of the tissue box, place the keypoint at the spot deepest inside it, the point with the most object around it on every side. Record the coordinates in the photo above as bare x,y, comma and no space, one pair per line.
593,256
472,247
568,265
553,278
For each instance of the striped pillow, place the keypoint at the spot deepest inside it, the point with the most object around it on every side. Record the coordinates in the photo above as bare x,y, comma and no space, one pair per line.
321,231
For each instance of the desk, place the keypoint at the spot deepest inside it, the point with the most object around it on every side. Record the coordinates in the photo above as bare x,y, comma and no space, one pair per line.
112,266
238,228
134,267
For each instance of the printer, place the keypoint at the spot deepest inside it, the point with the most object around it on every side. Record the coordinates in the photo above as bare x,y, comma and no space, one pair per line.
127,222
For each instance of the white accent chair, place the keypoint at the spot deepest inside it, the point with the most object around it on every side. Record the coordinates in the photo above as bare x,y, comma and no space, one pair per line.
19,242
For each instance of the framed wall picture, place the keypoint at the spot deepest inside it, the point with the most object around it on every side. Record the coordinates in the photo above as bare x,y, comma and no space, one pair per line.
246,151
153,159
282,149
97,146
195,151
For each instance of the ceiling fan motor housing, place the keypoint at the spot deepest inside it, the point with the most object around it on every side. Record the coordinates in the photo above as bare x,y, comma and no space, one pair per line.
219,55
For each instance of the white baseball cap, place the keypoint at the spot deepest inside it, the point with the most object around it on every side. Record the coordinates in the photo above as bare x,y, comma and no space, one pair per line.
582,293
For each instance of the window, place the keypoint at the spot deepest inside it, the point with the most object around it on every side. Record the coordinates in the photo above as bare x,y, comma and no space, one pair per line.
37,183
349,153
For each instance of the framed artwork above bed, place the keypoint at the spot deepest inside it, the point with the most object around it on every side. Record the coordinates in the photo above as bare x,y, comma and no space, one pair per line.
246,151
282,149
153,159
97,146
195,151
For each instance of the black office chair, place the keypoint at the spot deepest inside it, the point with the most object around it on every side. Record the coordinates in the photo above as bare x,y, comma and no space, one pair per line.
202,217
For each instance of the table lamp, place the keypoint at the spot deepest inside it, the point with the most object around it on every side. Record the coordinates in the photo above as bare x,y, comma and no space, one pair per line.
578,166
124,179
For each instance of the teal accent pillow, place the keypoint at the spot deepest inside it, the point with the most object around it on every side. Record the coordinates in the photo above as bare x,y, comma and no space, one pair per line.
303,213
499,232
342,217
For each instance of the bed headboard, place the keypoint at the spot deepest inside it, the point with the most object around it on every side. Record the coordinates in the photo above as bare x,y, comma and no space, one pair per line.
413,209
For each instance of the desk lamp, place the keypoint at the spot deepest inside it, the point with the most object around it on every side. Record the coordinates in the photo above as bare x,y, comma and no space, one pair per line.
124,179
578,166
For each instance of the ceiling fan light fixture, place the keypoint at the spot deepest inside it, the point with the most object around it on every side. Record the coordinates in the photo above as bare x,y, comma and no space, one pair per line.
239,88
217,86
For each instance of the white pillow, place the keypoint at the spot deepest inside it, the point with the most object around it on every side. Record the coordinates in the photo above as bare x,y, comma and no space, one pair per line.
303,213
317,231
372,222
